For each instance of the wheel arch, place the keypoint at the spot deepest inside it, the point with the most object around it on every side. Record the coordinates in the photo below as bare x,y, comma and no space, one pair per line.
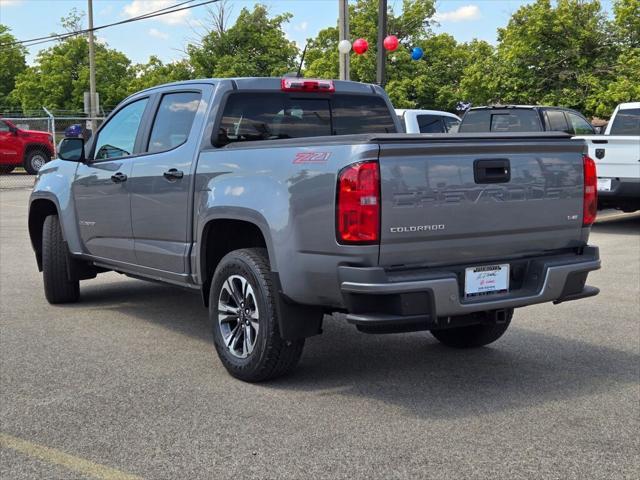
29,147
39,209
223,234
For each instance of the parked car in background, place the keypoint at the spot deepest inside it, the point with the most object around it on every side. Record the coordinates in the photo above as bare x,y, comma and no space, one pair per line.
281,200
617,155
30,149
428,121
525,118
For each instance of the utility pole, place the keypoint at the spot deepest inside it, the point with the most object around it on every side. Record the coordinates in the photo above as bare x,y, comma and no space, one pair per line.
343,27
382,32
93,110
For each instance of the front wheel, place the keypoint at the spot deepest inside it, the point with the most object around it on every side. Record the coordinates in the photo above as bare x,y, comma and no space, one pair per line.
473,336
34,160
244,319
58,285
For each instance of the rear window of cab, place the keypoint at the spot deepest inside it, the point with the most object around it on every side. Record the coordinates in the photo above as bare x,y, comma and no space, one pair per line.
272,116
513,120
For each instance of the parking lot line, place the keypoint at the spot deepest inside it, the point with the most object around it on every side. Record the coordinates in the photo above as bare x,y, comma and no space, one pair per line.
57,457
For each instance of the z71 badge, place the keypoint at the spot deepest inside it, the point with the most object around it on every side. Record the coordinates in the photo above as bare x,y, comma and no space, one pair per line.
311,157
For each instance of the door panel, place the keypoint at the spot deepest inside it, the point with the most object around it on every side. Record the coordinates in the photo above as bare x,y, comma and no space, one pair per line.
9,146
103,210
160,183
100,189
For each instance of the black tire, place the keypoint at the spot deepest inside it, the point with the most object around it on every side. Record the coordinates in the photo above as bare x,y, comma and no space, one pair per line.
270,356
473,336
6,169
55,266
35,159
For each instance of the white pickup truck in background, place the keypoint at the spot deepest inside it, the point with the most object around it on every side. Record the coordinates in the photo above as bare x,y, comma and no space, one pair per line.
428,121
617,156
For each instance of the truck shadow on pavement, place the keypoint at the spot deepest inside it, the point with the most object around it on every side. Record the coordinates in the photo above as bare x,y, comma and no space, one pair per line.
413,371
624,224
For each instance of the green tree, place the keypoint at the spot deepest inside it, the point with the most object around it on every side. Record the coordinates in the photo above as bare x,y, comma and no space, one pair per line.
155,72
254,46
60,76
12,63
627,22
553,53
411,27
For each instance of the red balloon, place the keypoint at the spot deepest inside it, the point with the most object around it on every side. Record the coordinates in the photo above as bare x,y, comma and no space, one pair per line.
360,46
391,43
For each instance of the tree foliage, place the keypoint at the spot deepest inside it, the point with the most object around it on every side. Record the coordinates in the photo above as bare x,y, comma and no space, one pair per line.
557,52
60,76
12,63
254,46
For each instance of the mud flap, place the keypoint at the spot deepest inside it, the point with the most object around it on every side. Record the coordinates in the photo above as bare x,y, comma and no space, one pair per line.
294,320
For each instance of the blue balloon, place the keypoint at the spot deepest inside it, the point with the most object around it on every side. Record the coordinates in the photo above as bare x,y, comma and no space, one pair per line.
417,53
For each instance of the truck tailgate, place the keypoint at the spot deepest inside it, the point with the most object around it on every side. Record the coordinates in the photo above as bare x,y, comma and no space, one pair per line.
476,198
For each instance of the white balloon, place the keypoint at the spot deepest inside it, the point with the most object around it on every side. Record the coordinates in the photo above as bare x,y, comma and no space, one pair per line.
344,46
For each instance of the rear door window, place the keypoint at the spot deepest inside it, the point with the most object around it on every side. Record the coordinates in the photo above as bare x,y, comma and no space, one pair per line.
430,124
626,122
173,121
556,121
580,125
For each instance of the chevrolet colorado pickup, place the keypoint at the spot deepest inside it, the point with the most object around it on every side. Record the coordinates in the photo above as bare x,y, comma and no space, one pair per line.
617,157
281,200
27,148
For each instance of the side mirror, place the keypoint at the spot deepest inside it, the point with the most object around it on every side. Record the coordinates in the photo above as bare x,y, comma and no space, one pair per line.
71,149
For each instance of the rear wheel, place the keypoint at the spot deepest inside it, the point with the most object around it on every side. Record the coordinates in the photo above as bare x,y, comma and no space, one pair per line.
34,160
473,336
5,169
58,288
244,319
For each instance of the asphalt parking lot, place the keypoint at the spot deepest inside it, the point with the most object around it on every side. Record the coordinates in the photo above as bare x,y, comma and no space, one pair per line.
126,384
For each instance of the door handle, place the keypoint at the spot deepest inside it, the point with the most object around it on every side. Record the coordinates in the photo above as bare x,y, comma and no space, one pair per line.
496,170
173,174
118,177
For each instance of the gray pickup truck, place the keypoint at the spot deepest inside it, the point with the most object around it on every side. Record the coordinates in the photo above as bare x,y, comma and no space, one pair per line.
282,200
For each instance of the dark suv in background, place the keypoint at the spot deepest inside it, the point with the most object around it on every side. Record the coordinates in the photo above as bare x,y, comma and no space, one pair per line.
525,118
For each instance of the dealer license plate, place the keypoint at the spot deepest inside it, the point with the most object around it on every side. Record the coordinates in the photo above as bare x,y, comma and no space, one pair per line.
604,184
486,279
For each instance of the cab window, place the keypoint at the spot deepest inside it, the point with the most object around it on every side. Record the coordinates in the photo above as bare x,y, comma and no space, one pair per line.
556,121
430,124
173,121
626,122
118,137
580,125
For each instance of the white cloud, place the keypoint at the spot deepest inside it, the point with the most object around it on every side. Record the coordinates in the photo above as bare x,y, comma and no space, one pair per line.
301,27
460,14
154,32
10,3
141,7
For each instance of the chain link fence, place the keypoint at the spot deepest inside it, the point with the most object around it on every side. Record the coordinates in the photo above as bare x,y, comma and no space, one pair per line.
21,156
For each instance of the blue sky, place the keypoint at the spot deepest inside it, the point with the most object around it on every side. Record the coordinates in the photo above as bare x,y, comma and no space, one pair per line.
167,36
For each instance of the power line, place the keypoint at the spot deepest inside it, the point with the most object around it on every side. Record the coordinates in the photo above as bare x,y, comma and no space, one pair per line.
156,13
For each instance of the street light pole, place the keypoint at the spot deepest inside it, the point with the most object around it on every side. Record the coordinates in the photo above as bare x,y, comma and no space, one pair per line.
343,27
382,32
92,72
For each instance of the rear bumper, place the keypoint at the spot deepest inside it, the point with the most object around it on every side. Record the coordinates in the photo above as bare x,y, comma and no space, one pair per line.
625,192
374,296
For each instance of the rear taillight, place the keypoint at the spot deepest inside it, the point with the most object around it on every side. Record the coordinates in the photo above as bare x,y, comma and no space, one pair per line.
590,206
358,204
292,84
